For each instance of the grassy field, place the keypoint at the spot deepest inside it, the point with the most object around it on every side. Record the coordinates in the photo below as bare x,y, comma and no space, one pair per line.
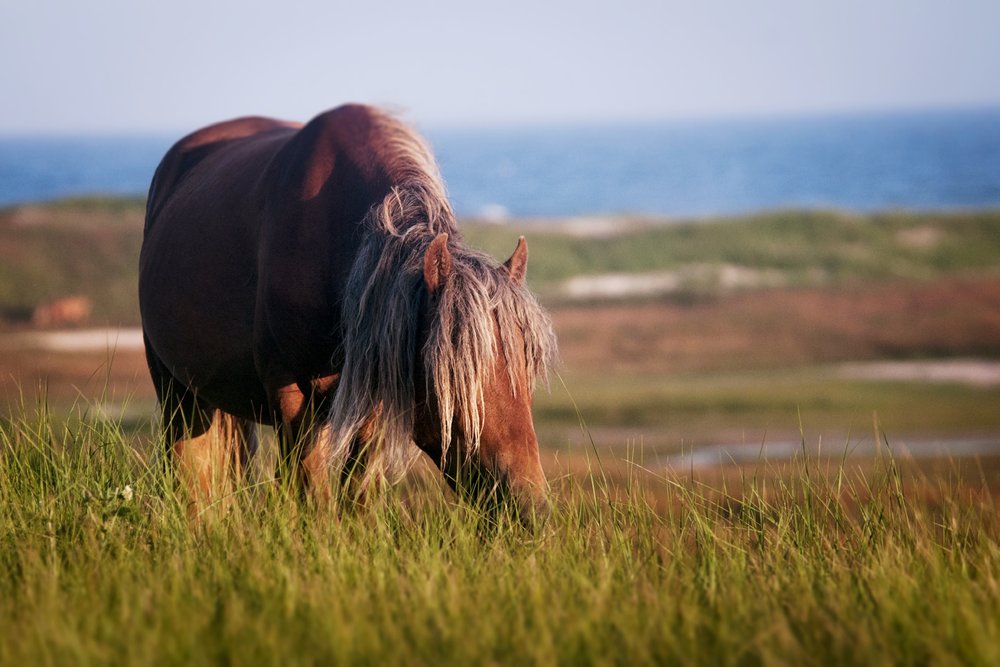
783,249
852,551
706,362
814,563
76,247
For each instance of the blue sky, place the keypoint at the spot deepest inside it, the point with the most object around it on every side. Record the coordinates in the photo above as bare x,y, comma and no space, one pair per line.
133,65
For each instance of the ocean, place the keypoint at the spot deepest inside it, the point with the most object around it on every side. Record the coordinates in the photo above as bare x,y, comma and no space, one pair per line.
862,162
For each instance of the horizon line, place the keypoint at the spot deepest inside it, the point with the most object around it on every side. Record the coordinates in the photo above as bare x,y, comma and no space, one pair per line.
545,122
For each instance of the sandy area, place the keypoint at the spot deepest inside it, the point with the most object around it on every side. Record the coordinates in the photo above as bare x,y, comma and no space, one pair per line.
746,453
977,372
82,340
712,278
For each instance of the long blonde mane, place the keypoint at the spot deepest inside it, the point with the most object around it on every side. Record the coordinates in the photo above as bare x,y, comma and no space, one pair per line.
386,305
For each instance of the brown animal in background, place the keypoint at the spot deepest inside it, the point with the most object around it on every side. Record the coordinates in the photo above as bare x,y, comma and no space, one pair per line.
70,310
313,278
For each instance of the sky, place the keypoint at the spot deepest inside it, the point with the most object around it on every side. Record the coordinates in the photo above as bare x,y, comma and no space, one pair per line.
166,65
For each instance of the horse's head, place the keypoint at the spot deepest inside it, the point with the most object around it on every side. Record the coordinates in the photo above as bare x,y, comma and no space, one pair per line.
482,349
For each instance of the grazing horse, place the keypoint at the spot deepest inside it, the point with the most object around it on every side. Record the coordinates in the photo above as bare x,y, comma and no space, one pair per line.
312,278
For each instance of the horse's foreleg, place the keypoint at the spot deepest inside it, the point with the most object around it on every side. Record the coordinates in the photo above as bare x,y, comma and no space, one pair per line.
315,464
308,443
362,474
304,436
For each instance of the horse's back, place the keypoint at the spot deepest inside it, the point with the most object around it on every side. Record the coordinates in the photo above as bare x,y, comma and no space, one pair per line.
186,154
198,264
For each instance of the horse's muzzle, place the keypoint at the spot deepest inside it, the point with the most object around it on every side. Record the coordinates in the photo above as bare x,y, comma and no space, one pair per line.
533,509
497,493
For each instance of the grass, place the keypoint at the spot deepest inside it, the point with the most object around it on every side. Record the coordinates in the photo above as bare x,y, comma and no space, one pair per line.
770,400
813,561
821,563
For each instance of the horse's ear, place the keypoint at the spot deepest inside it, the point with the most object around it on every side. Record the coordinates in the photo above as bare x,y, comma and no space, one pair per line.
437,264
517,265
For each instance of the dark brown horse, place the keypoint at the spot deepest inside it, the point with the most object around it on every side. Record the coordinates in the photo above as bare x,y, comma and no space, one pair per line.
313,278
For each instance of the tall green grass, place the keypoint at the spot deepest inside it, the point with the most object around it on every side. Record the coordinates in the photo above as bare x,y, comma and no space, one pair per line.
817,564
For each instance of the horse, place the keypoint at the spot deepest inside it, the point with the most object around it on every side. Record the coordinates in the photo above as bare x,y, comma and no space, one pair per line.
313,278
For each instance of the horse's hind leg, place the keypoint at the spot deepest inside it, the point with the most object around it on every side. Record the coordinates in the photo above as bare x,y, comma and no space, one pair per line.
210,458
209,448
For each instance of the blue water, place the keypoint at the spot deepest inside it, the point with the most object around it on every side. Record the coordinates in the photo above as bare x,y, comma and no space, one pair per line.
859,162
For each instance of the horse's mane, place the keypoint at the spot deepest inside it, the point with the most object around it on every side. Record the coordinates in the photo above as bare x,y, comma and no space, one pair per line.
384,309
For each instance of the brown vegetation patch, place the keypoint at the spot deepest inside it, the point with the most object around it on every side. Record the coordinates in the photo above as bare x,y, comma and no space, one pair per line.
784,327
62,378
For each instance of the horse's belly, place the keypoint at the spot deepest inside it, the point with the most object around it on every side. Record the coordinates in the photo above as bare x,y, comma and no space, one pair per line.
197,296
196,356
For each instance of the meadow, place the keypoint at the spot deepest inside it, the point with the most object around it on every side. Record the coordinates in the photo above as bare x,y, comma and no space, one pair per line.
811,564
843,545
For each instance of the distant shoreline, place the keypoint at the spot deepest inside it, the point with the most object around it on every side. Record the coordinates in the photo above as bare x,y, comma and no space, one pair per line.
594,224
869,162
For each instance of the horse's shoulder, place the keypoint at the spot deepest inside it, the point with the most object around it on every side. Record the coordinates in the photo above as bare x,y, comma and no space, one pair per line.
345,118
355,129
341,139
